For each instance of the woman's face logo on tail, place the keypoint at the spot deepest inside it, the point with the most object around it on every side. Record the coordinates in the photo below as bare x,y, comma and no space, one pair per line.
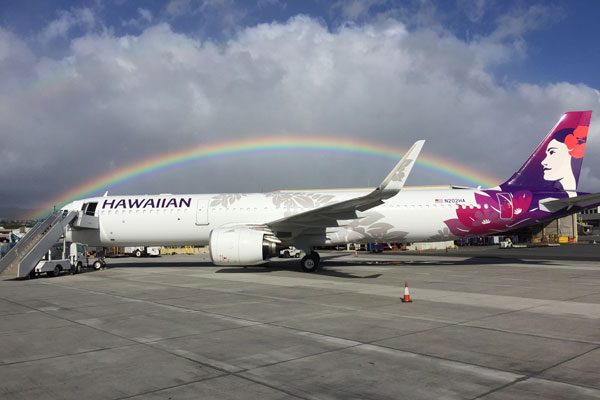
565,147
557,163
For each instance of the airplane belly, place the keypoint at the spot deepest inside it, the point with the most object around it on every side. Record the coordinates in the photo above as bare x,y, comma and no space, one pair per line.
428,225
397,225
152,228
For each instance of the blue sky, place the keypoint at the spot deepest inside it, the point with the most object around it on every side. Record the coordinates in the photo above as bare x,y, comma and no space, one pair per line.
135,79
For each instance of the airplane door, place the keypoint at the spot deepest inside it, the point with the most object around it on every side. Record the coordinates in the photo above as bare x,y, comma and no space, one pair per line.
202,211
506,205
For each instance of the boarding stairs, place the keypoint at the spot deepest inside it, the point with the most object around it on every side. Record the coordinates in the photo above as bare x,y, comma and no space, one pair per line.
24,256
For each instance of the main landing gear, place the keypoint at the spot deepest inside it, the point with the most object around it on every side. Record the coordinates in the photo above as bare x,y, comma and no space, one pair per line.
310,262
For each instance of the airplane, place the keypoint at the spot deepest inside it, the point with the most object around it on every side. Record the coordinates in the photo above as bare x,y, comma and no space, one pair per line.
250,228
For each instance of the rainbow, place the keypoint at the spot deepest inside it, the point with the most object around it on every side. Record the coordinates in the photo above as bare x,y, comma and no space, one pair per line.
260,144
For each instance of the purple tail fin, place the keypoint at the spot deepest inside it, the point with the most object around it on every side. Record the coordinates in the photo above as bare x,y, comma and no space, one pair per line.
556,163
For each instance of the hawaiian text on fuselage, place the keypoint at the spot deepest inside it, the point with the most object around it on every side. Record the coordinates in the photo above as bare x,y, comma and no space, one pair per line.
173,202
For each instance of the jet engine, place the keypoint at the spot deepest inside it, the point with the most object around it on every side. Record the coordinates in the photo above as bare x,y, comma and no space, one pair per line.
241,246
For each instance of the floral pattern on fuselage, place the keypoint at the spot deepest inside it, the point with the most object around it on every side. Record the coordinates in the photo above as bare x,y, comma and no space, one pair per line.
490,214
299,199
442,235
226,199
369,227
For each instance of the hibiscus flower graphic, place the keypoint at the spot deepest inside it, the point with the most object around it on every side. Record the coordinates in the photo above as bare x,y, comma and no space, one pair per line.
576,141
485,218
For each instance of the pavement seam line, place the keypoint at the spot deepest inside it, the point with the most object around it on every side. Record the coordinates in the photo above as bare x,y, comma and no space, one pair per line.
225,372
149,344
460,323
535,375
67,355
170,387
343,348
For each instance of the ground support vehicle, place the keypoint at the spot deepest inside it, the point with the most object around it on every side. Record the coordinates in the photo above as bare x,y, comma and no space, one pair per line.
142,251
66,257
290,252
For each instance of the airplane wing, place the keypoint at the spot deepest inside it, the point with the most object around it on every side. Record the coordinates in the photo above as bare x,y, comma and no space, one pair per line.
328,215
583,201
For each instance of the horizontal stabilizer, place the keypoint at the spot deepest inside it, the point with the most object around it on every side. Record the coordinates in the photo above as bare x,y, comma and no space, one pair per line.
583,201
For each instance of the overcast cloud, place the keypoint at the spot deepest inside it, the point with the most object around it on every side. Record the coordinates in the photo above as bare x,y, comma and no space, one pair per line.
108,100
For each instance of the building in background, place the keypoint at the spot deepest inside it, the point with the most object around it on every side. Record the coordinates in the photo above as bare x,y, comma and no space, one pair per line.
589,221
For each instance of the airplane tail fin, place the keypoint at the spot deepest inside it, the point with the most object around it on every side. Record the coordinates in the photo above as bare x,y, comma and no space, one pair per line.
555,164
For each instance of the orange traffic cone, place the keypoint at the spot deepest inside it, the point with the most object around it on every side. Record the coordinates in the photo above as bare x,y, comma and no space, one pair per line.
406,298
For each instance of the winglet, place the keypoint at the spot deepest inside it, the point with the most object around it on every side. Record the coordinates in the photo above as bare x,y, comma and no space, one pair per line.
331,214
397,177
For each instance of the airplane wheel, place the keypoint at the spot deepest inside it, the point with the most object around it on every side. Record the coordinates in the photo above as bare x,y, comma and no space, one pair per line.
310,263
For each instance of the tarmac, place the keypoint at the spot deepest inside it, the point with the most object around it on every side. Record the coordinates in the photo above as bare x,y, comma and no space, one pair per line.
482,325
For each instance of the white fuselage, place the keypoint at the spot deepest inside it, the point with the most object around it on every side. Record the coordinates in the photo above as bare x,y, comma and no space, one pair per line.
410,216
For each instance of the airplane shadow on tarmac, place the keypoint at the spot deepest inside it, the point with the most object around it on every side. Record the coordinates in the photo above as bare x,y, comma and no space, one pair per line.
333,261
478,260
291,265
282,265
323,271
328,262
178,264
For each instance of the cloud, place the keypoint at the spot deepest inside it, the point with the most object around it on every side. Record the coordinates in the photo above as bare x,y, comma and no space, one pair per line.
588,176
66,21
115,99
178,7
209,17
142,20
145,14
516,23
355,9
474,9
14,52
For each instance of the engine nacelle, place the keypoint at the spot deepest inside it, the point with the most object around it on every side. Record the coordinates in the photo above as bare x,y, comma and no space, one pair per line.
240,246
